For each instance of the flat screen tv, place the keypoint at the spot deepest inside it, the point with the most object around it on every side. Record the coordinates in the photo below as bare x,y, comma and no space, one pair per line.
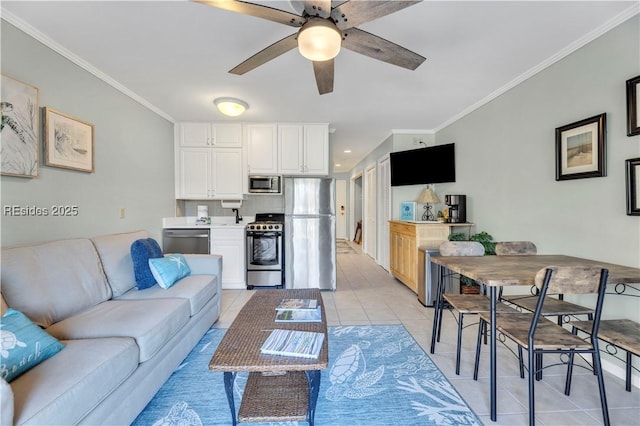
433,164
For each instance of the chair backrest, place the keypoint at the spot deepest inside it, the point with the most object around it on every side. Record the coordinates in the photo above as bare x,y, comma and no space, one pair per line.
570,279
515,248
461,248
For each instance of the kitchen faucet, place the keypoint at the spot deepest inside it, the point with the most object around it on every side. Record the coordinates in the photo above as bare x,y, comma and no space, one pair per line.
238,217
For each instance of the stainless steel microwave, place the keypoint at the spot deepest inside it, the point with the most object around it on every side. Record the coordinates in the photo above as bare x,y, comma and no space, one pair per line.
265,184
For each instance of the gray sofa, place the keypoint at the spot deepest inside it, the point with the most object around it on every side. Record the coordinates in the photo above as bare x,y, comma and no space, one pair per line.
122,344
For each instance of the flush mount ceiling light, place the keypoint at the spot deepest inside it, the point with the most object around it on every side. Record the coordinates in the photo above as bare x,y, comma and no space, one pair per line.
231,106
319,39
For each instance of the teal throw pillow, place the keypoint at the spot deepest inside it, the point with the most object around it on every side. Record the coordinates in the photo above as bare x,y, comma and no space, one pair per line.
23,345
141,251
169,269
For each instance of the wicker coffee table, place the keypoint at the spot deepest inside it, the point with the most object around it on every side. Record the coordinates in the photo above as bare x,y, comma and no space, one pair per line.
279,388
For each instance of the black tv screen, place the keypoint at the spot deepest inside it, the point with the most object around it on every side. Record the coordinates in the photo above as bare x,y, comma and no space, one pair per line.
434,164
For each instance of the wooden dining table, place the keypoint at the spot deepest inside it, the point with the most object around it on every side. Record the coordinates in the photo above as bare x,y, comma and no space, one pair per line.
500,271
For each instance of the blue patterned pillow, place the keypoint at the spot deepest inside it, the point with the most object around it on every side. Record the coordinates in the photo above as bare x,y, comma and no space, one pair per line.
141,251
169,269
24,345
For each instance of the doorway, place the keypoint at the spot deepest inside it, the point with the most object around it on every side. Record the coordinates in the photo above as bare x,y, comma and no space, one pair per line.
356,201
369,224
341,209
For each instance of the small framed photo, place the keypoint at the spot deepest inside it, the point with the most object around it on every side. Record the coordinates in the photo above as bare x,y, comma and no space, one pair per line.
580,149
408,210
633,187
68,141
633,106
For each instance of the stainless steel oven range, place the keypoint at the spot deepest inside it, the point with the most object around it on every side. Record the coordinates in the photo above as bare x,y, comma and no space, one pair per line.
265,251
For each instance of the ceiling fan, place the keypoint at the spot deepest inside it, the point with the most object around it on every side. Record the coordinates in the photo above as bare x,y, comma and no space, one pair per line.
325,28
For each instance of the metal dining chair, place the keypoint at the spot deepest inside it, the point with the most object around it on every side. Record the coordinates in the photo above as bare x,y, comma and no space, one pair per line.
464,304
538,335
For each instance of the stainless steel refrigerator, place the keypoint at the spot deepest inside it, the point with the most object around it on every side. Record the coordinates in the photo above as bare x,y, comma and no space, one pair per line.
310,233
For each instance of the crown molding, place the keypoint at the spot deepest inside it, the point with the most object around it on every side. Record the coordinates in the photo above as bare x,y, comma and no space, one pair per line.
622,17
56,47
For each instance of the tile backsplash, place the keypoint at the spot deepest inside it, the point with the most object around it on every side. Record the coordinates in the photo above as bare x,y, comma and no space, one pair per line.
251,205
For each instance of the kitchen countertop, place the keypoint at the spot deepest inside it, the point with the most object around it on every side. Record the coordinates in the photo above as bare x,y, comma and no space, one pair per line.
216,222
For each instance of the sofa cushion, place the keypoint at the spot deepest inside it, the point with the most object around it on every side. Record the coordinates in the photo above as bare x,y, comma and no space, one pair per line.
24,345
64,389
169,269
115,254
141,251
51,281
197,289
150,322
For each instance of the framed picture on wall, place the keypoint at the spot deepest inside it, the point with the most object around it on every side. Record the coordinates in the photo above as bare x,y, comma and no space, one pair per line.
633,187
68,141
633,106
580,149
19,133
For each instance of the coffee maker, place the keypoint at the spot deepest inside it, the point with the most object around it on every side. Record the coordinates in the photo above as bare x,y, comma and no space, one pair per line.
457,208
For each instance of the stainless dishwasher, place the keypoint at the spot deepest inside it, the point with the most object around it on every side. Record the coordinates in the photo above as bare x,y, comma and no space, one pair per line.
186,240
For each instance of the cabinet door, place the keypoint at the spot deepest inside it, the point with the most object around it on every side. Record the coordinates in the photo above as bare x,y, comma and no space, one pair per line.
193,178
316,149
262,148
290,147
230,244
194,134
226,135
226,173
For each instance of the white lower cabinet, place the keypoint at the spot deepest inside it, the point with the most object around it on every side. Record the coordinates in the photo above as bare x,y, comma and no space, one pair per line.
229,242
209,173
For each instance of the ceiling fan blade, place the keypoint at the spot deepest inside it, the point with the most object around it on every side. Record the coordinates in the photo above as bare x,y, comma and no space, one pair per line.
321,8
353,13
267,54
324,75
378,48
257,10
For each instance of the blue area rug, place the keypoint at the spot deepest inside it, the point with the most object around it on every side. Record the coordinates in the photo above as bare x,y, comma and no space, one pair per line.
377,375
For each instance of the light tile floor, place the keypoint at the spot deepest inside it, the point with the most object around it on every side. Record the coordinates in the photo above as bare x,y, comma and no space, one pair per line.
367,294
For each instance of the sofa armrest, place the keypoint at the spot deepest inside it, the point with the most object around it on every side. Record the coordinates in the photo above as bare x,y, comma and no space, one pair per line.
205,264
6,401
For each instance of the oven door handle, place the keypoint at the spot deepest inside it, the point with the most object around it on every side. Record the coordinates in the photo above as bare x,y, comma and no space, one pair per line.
263,234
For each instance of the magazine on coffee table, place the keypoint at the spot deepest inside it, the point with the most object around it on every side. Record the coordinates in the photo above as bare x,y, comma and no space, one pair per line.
299,315
302,304
303,344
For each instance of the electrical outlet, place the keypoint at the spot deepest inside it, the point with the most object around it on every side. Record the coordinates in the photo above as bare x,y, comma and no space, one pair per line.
122,212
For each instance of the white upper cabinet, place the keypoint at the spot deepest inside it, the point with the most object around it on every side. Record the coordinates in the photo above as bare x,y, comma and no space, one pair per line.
217,135
226,173
304,149
194,134
193,167
290,138
226,135
262,149
316,149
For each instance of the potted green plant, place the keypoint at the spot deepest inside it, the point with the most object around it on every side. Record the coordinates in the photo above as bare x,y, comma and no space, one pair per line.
467,285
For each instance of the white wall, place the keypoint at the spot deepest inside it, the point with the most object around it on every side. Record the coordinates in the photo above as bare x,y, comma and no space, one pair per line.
133,154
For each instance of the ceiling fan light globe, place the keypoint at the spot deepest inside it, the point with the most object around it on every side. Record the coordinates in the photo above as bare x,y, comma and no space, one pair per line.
319,40
230,106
